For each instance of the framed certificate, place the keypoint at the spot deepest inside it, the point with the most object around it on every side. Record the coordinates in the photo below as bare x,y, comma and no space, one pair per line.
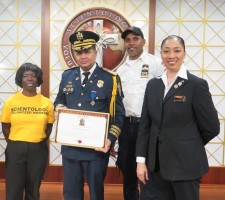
82,128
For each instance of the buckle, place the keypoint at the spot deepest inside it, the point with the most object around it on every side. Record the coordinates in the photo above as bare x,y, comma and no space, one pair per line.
134,119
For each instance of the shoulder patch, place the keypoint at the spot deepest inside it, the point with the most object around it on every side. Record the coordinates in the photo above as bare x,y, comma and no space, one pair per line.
110,71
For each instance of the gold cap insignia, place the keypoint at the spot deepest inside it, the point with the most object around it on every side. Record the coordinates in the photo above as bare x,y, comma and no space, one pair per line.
79,36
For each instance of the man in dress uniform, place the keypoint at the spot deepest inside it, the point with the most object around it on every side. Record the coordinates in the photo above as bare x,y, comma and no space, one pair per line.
91,88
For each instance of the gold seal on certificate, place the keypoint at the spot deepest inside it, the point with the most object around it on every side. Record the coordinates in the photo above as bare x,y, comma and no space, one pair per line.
82,128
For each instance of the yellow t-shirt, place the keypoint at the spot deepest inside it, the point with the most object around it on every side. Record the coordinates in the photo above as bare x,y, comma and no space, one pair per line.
28,116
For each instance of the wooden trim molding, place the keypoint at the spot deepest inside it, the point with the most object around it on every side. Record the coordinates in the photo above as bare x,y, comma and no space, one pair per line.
151,38
114,176
215,175
45,46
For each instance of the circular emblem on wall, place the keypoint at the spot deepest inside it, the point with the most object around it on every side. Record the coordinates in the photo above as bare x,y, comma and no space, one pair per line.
108,24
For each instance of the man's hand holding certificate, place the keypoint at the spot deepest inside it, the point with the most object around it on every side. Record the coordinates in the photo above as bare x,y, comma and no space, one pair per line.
106,148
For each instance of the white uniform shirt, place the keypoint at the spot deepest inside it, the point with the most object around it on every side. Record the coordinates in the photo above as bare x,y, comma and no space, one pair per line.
91,71
182,73
133,84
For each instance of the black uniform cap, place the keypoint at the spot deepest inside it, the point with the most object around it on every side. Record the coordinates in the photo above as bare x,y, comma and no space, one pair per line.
81,40
132,29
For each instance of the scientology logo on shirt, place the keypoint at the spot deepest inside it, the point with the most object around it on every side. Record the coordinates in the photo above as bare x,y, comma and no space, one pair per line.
28,110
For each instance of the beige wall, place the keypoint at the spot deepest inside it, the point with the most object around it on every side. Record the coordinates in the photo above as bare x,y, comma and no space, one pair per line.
200,23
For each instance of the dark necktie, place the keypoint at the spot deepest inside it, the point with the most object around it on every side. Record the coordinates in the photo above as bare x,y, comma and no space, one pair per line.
86,74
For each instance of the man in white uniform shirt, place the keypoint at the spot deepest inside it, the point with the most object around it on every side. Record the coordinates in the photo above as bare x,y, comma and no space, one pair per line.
136,71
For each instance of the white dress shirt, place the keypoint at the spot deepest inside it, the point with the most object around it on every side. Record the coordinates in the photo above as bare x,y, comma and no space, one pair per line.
182,73
133,84
91,71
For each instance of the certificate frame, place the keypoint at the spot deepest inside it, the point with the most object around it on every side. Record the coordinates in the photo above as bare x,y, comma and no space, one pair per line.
81,128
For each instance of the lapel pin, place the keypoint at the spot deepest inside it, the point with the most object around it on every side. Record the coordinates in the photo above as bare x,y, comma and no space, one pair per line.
175,86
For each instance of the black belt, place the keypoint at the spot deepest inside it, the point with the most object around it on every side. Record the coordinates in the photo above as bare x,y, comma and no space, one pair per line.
133,120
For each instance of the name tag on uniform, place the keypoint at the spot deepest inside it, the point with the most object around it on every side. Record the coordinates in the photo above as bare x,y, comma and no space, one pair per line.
68,88
179,99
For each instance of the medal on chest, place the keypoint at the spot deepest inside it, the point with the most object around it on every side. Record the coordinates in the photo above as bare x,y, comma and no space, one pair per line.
93,96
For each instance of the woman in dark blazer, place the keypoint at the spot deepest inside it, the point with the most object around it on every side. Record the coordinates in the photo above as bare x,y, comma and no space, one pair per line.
178,119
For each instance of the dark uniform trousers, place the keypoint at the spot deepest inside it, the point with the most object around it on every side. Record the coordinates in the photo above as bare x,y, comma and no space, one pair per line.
25,169
74,171
126,160
158,188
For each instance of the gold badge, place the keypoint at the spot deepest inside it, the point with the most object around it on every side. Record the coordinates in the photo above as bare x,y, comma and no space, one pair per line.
100,83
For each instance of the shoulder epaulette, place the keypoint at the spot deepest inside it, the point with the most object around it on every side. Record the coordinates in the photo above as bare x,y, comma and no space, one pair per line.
110,71
71,68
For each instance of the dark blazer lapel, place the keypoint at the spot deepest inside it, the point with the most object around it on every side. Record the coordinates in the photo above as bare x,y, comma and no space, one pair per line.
77,80
161,88
178,84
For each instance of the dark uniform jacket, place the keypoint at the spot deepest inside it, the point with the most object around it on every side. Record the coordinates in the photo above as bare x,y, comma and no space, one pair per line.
180,124
73,96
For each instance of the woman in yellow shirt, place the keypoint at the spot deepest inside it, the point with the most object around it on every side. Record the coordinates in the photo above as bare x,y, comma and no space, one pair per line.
27,119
